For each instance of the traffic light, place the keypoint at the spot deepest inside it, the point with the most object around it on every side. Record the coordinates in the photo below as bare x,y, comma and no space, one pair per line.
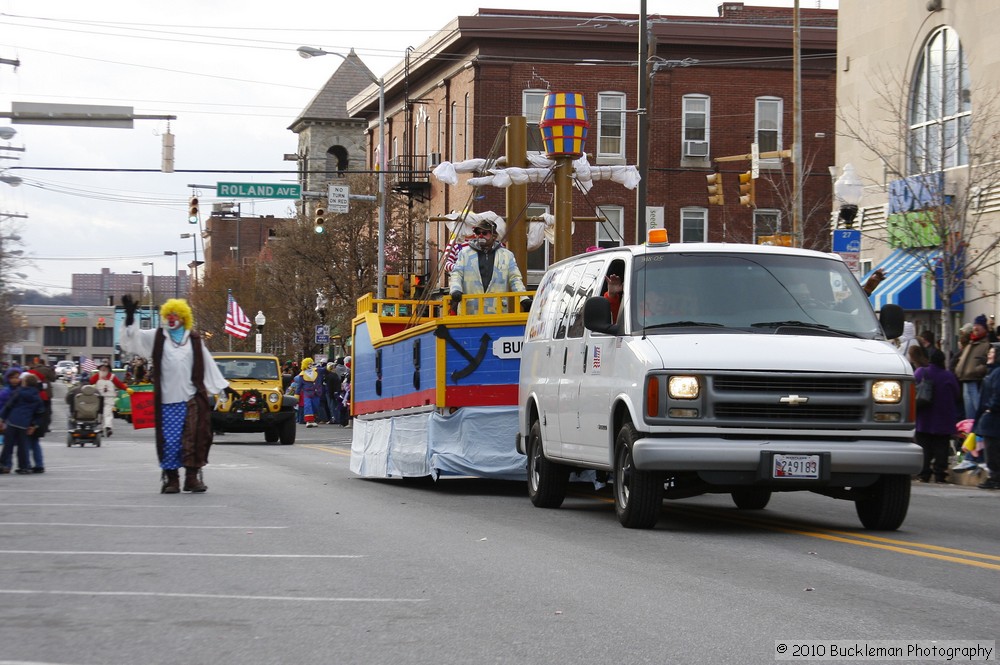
715,196
320,220
417,283
62,324
193,214
393,286
100,323
747,190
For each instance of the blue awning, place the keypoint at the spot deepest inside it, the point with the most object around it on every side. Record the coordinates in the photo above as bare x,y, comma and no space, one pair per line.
909,282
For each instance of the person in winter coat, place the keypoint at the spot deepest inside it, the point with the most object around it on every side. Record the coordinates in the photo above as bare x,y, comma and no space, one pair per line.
108,385
46,379
485,267
20,417
333,382
971,366
908,339
988,420
935,424
184,374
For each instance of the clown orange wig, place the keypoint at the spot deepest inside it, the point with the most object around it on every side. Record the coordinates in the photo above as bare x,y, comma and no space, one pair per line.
179,308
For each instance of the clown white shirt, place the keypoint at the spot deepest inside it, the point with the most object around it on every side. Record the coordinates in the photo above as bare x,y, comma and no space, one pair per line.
175,367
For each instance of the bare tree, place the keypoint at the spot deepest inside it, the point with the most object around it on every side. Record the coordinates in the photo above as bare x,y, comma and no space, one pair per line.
941,174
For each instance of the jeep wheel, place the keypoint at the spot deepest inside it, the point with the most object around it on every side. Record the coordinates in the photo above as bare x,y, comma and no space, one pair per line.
883,506
287,433
271,435
638,494
547,481
751,498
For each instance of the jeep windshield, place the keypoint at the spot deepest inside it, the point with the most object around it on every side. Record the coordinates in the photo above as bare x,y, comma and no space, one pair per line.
761,293
248,369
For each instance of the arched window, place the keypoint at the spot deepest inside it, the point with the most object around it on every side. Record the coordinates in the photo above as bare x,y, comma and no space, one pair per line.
940,106
337,161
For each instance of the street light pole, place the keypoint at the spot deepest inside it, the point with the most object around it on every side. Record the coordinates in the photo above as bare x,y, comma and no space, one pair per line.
310,52
260,320
177,288
194,243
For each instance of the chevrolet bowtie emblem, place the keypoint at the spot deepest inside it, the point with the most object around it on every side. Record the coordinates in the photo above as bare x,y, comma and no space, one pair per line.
793,400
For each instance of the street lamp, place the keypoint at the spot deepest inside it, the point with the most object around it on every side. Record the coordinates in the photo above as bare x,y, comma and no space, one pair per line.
11,180
177,289
152,287
848,190
194,243
311,52
260,320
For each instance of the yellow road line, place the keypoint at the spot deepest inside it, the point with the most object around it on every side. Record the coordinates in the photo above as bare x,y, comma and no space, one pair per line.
335,451
964,557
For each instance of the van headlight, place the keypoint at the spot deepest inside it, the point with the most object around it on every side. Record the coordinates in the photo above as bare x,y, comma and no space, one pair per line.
887,392
683,387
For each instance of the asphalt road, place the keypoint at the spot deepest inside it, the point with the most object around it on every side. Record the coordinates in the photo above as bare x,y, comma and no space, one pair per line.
291,559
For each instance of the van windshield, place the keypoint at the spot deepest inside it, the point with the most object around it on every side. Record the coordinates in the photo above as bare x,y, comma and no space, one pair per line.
760,293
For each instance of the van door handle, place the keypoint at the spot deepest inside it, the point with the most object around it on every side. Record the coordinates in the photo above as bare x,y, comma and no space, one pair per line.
585,347
565,355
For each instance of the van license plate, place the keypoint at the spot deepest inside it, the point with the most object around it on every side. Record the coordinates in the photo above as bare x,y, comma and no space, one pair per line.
251,415
795,467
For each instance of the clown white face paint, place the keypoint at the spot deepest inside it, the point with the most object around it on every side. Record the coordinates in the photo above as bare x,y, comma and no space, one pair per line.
174,322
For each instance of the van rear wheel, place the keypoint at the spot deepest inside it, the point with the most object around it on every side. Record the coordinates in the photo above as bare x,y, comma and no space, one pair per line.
547,480
883,506
638,494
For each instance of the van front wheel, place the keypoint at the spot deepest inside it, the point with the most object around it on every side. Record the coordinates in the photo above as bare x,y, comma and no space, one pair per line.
547,481
638,494
883,506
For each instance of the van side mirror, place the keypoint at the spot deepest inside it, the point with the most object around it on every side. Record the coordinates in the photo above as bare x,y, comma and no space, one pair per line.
597,315
891,317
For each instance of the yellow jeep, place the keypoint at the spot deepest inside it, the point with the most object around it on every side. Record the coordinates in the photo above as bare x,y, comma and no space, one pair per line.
261,405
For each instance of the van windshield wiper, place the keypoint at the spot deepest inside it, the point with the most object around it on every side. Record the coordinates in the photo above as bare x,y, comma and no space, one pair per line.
686,324
802,324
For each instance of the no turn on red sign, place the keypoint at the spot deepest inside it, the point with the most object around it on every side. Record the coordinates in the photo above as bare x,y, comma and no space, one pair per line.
338,199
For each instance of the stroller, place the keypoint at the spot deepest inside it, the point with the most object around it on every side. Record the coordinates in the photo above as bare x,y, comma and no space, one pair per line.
86,407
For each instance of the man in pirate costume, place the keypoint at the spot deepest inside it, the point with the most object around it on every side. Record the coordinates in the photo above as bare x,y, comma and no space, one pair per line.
184,375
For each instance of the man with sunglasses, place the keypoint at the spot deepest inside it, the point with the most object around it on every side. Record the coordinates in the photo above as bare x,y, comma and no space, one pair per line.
485,267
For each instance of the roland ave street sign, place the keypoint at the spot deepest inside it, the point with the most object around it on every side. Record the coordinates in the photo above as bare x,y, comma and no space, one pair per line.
258,190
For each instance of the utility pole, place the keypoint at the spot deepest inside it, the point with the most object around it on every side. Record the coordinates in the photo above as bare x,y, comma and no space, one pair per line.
797,130
642,133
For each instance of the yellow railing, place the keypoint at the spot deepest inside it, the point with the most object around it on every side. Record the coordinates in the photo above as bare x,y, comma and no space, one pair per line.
421,311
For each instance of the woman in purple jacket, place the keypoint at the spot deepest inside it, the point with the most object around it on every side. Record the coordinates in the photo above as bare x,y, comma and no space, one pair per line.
936,423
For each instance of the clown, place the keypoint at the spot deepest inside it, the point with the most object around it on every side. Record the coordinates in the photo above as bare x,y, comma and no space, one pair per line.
184,374
308,385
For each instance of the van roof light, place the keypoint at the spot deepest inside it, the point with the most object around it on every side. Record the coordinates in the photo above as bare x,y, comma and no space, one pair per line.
656,237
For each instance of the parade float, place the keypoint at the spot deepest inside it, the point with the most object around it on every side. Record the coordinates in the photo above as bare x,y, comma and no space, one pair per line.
434,393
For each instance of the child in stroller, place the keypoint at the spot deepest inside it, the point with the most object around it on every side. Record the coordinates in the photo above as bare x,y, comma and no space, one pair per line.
85,407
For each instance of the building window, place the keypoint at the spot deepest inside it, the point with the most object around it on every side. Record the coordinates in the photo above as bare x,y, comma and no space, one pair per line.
611,230
694,224
766,223
768,127
538,258
532,102
611,125
453,137
940,106
695,130
467,131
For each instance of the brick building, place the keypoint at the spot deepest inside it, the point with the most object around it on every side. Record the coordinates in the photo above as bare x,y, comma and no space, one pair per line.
716,85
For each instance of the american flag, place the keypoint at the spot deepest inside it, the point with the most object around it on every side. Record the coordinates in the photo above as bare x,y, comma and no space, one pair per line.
87,364
451,255
237,323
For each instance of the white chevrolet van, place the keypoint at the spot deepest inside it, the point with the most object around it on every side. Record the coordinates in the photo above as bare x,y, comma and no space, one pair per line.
740,369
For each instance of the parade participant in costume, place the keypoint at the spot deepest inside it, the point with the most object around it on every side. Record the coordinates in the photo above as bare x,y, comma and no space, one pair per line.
184,374
485,267
308,386
108,385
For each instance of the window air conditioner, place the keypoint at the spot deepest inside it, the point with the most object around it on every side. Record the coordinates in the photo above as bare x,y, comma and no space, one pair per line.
696,148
